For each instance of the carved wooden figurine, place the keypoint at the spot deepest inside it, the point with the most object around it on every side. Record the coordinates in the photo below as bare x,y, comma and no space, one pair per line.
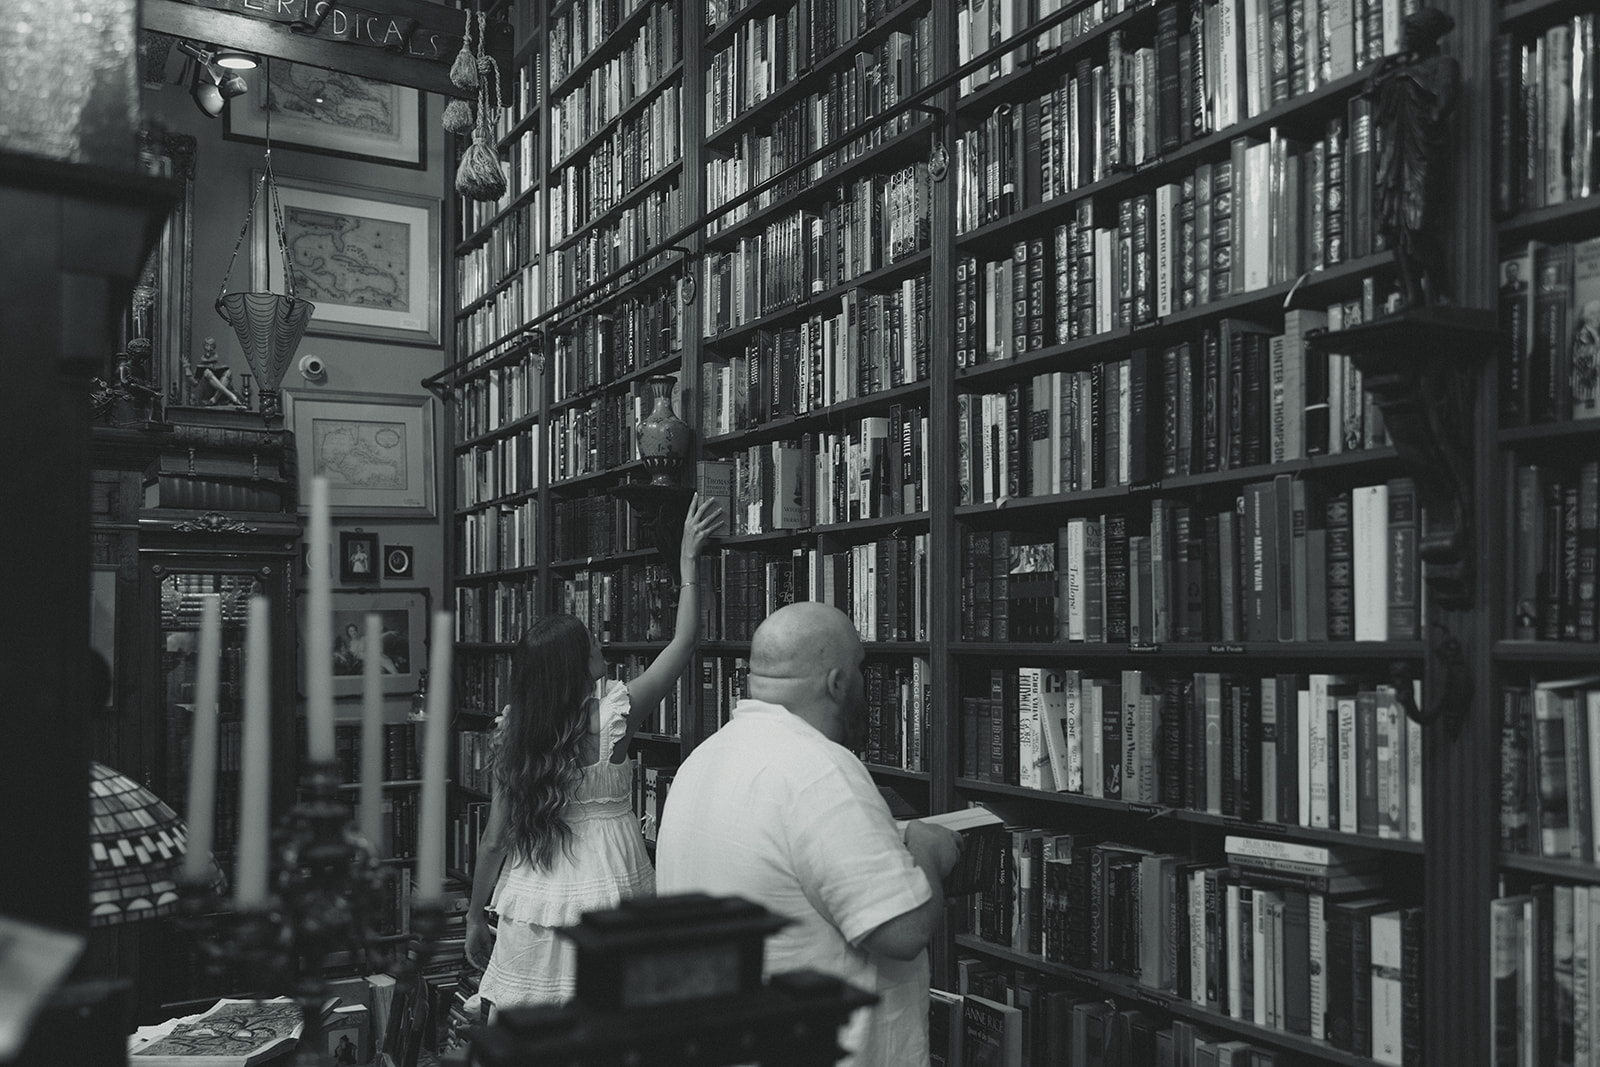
1415,94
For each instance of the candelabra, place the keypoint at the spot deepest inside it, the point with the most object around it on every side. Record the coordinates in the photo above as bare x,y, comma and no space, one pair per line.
326,893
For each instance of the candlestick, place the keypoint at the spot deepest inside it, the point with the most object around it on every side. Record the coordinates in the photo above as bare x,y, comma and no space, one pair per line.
436,736
255,773
319,631
371,736
203,743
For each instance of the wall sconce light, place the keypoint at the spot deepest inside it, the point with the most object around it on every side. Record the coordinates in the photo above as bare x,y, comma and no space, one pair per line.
215,83
233,59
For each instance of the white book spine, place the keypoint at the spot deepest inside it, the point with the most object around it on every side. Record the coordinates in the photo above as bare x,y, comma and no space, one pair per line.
1234,953
1317,736
1349,771
1414,769
1317,909
1074,721
1386,988
1302,753
1369,520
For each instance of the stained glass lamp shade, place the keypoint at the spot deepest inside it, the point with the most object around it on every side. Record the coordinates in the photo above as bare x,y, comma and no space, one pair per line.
136,846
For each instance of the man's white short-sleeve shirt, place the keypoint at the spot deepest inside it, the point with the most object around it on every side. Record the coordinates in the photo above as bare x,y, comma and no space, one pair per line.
769,809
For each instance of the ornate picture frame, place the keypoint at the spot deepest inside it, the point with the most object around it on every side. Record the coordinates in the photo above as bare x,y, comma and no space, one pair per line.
332,113
358,556
376,451
367,258
403,616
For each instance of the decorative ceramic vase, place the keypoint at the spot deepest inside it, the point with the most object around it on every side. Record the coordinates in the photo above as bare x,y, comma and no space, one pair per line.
663,437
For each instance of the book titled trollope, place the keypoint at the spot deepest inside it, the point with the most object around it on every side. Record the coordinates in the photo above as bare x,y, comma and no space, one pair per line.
232,1033
984,845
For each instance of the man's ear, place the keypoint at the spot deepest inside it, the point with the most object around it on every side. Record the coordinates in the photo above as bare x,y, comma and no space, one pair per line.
835,684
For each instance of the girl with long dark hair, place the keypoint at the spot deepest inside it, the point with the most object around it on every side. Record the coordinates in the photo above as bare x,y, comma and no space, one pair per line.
560,823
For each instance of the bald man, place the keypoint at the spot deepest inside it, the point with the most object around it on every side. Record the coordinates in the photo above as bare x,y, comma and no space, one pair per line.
774,808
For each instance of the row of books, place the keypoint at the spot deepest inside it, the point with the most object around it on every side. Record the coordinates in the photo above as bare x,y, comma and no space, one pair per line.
598,252
1552,553
496,611
882,585
1212,63
597,435
581,29
399,823
496,469
467,824
1549,757
873,469
634,602
872,222
1255,939
504,313
640,329
1550,315
899,699
875,341
1544,997
593,527
724,681
1288,562
664,719
399,749
648,143
511,249
496,398
1322,751
1544,116
498,537
484,684
637,70
1241,397
768,53
1023,1020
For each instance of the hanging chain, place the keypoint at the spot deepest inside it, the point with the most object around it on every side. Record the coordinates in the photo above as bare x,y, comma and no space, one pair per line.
268,181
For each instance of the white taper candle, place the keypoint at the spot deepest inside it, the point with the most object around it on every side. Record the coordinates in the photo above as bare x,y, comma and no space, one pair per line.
372,735
436,746
319,631
253,858
203,743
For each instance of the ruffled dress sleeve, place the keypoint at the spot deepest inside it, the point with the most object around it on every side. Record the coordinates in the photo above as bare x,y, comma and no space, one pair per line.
611,714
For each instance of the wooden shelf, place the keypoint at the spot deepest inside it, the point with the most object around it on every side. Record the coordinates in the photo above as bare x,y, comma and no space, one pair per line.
502,431
1227,655
735,336
1558,433
1575,653
630,555
1129,988
833,416
497,502
1229,823
881,770
1533,15
1569,869
670,365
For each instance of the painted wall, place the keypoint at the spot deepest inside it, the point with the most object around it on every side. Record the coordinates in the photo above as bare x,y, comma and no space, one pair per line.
223,186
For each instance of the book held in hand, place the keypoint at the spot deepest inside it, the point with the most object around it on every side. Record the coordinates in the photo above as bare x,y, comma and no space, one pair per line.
984,845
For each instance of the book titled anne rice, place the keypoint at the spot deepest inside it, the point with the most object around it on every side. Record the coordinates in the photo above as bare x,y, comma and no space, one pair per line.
232,1033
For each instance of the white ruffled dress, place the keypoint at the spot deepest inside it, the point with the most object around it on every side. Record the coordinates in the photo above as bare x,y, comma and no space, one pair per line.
605,864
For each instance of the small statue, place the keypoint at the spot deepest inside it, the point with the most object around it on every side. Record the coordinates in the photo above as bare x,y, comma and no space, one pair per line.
127,390
1415,94
213,384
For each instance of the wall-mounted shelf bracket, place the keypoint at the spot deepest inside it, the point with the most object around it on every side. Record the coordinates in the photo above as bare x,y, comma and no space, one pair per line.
1421,367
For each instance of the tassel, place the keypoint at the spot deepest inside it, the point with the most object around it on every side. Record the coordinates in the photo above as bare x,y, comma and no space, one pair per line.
464,71
458,116
479,176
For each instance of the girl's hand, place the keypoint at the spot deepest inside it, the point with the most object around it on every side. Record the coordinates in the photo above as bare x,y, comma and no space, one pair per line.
704,517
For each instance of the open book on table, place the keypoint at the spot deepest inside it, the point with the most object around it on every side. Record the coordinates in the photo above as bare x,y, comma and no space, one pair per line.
984,844
232,1033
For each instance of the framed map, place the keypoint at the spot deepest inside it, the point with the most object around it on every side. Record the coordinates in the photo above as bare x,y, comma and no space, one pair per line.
331,112
375,450
368,258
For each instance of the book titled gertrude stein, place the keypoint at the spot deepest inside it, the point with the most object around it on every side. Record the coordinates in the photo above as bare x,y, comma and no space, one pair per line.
232,1033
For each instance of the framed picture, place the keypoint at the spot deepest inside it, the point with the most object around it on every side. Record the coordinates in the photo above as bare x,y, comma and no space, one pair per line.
403,622
397,561
367,258
376,451
358,557
330,112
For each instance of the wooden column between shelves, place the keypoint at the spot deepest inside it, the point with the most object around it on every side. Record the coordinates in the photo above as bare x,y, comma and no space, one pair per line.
1461,813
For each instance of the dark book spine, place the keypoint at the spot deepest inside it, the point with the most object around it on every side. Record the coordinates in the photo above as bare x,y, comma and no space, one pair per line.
1115,547
1360,984
1099,932
1255,402
1358,184
1336,210
1112,740
1212,399
1411,978
1296,962
1174,743
1340,568
1340,1025
1040,289
1169,104
1551,585
1000,585
1505,121
1552,293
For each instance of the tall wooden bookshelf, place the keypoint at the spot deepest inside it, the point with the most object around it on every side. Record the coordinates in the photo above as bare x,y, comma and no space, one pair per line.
1545,469
867,297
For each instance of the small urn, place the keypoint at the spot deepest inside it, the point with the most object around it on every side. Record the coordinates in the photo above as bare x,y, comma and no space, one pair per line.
663,436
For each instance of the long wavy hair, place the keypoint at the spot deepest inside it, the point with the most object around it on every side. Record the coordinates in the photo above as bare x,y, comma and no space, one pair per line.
539,761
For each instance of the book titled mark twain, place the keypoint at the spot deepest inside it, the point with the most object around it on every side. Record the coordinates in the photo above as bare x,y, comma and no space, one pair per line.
232,1033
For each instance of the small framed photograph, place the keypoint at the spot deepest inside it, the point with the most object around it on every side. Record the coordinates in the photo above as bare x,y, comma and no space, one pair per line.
367,258
397,562
376,451
358,556
402,625
333,113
